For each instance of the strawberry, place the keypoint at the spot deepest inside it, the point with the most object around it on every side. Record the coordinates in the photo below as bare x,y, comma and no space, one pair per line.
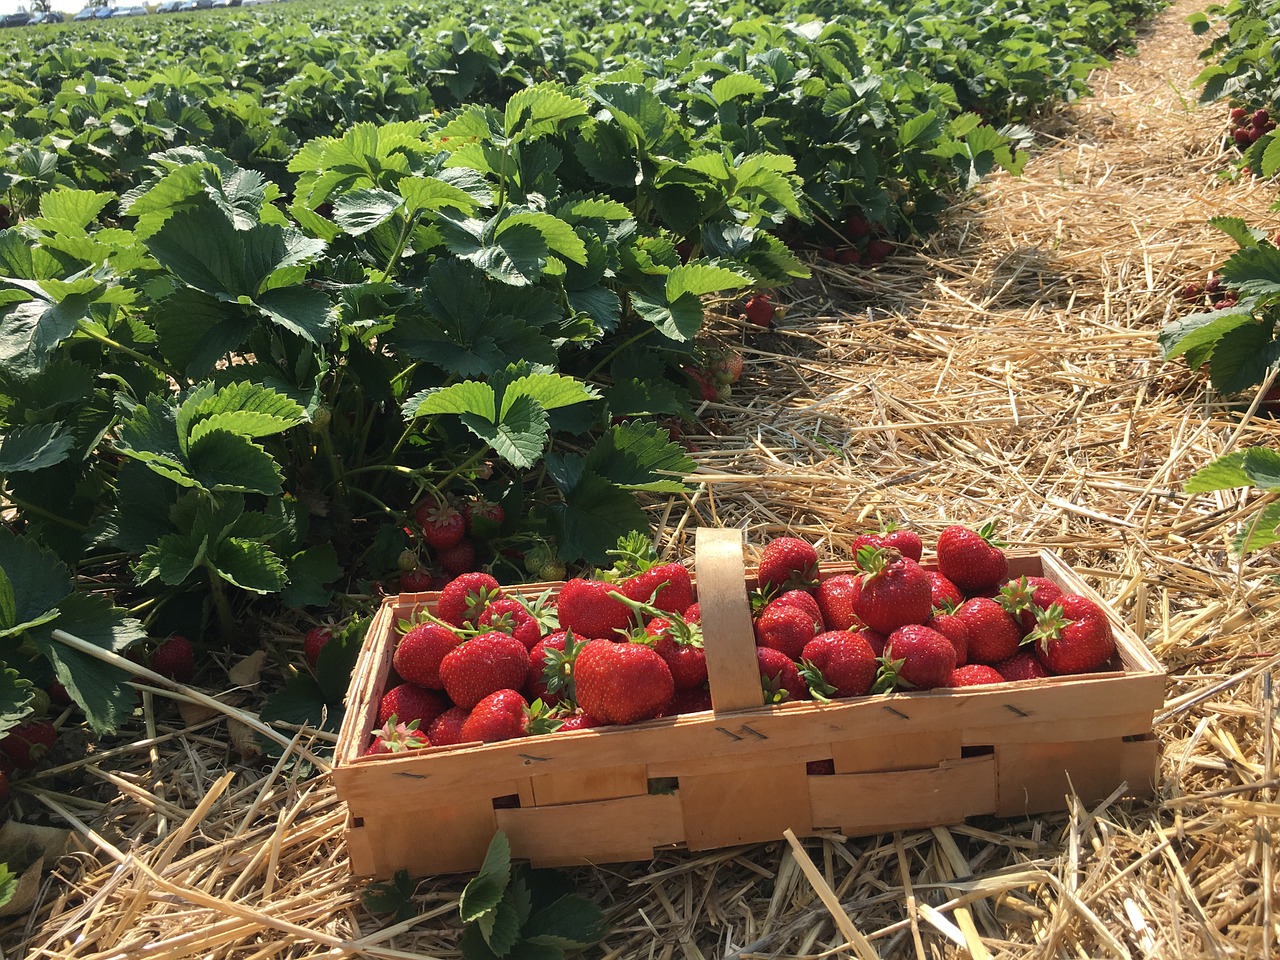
785,627
785,563
974,675
780,677
726,366
482,665
550,676
878,250
906,542
693,613
509,615
970,559
27,743
580,721
622,682
1261,118
993,633
313,641
410,702
442,525
916,658
483,518
857,226
955,630
459,558
415,581
760,310
671,581
1023,665
1073,635
175,659
464,598
397,737
446,729
838,663
946,595
586,608
1238,114
418,654
1025,597
502,715
806,601
694,700
849,257
58,694
875,639
875,540
893,592
835,601
679,643
820,768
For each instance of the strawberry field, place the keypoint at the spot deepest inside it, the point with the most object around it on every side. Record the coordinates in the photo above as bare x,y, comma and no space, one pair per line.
307,306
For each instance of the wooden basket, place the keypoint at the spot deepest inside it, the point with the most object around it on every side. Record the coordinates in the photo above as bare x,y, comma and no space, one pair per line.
736,774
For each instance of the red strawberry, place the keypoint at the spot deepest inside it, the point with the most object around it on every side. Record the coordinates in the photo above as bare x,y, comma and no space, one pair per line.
857,226
835,601
586,608
482,518
175,659
397,737
993,633
970,560
806,601
442,525
1238,114
875,639
1073,635
780,677
538,682
878,250
672,583
760,310
502,715
693,614
314,641
838,663
415,581
955,630
580,721
1023,665
410,702
865,540
464,598
418,654
906,542
446,729
58,694
459,558
482,665
27,743
785,627
946,595
679,643
1026,596
918,658
509,615
974,675
893,592
622,682
1261,118
787,562
691,701
820,768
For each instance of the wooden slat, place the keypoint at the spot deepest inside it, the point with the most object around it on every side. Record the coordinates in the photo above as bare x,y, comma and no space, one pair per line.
745,806
606,831
727,632
579,786
869,755
865,803
426,840
1036,777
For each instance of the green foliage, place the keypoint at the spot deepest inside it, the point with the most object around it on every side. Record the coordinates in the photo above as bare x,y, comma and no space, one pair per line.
1257,467
395,898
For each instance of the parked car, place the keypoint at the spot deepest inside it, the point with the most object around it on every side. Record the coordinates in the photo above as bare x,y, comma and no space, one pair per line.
169,6
130,12
48,16
15,19
87,13
103,13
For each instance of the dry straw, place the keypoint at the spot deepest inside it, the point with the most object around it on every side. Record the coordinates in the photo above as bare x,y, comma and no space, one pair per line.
1008,370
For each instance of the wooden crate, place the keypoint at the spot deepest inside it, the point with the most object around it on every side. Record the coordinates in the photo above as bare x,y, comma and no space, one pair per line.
736,774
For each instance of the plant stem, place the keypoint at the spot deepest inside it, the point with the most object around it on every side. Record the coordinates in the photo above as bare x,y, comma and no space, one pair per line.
400,245
26,507
130,352
226,619
616,350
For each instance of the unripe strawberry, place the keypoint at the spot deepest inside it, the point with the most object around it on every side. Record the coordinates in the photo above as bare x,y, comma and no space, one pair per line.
408,560
321,417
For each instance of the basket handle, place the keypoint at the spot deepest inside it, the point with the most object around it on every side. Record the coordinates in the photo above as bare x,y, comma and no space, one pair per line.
727,632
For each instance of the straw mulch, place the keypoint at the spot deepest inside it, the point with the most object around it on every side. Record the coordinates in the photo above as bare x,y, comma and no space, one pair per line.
1009,371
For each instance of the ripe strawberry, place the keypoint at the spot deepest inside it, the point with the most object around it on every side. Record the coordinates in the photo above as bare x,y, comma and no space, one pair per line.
509,615
806,601
679,643
780,677
857,226
580,721
502,715
58,694
893,592
27,743
970,559
418,654
313,641
442,525
482,665
849,257
1073,635
1242,136
1261,118
415,581
482,517
622,682
1238,114
1023,665
865,540
786,563
693,613
707,388
175,659
446,729
672,583
785,627
917,658
875,639
835,601
459,558
760,310
993,633
410,702
945,594
955,630
691,701
1025,597
974,675
397,737
906,542
878,250
1193,292
838,663
464,598
550,676
820,768
586,608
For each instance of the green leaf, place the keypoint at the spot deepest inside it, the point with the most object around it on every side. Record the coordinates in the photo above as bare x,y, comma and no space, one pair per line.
1254,271
395,897
540,110
925,127
24,449
678,320
1224,473
172,559
39,581
735,85
1271,157
301,702
8,606
1198,331
15,698
484,891
97,687
221,460
245,408
558,235
8,884
77,208
31,331
309,572
249,565
702,278
520,436
1262,531
500,927
592,518
300,310
550,390
518,256
432,193
197,330
1243,357
469,397
1262,466
360,211
1238,230
571,923
641,456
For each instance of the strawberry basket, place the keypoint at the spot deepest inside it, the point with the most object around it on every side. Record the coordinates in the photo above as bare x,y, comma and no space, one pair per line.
738,773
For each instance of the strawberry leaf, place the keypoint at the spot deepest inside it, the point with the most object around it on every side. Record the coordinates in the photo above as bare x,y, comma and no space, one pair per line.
485,890
571,923
1262,531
